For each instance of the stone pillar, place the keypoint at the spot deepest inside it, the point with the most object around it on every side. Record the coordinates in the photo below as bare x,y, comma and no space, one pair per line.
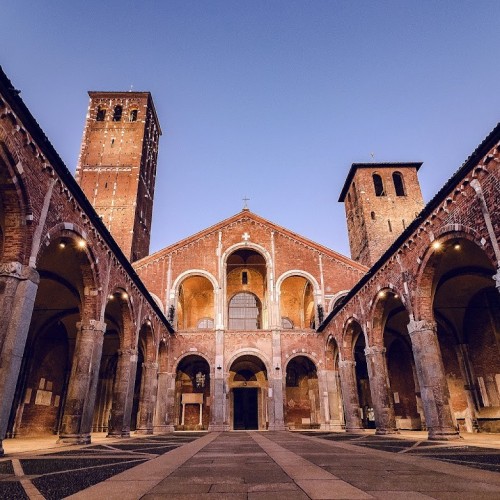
432,380
350,396
276,413
149,386
218,406
383,404
18,287
123,394
333,400
165,402
80,399
471,423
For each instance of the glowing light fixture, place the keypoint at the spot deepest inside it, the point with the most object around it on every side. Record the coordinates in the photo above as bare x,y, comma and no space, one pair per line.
381,294
82,244
125,295
457,246
436,245
111,296
62,244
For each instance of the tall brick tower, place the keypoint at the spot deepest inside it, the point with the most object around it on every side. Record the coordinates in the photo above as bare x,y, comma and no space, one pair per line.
380,200
117,165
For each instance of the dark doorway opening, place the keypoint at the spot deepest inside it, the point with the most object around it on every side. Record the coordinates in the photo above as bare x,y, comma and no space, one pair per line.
245,409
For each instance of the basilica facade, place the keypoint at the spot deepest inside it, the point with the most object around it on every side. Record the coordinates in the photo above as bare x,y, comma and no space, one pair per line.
244,325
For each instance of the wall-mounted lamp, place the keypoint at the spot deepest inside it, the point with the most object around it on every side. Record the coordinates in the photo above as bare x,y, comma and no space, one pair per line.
219,368
277,368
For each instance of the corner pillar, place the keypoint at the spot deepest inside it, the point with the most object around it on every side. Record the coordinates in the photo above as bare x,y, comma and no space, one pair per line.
18,287
350,396
82,385
383,404
123,394
275,394
149,385
432,380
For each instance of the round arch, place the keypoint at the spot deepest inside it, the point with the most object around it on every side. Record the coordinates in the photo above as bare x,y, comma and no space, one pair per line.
248,351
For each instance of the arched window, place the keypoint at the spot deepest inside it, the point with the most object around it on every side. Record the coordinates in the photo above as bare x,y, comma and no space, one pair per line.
133,115
399,186
378,185
286,323
101,114
117,115
244,312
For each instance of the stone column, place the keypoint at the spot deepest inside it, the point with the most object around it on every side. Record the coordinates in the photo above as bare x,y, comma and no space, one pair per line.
123,394
350,396
471,423
276,413
165,402
18,287
149,386
383,404
218,406
432,380
333,401
80,398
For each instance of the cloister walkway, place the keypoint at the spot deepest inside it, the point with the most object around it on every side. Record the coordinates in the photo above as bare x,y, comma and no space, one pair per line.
255,465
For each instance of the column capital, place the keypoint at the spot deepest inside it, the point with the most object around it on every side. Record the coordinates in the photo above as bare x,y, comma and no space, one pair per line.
127,352
496,277
19,271
374,350
344,363
421,326
150,365
91,325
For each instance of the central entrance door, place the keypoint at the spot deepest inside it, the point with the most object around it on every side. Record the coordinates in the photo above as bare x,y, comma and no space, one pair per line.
245,409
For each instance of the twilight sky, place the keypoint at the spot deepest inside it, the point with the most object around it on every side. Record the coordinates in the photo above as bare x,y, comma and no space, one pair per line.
271,99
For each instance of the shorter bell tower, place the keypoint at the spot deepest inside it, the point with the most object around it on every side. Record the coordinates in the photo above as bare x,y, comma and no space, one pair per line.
117,165
381,200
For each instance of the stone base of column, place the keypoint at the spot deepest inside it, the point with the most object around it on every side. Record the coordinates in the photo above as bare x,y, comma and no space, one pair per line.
277,427
2,452
216,428
118,434
74,439
144,431
331,427
163,429
384,432
355,430
446,435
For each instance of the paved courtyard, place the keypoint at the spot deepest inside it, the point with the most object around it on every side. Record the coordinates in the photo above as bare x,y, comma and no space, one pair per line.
254,465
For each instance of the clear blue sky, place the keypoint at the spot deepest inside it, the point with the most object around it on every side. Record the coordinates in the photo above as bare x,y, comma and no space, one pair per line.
269,99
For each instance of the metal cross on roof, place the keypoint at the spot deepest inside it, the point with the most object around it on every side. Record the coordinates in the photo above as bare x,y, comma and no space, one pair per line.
245,204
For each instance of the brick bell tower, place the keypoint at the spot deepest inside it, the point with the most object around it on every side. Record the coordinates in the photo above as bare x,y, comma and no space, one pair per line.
381,200
117,165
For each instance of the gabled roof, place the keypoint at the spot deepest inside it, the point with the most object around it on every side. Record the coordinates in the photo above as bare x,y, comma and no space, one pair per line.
247,214
374,165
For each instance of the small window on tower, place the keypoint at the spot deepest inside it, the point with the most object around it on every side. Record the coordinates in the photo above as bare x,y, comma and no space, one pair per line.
244,278
399,186
373,215
117,115
378,185
133,115
101,114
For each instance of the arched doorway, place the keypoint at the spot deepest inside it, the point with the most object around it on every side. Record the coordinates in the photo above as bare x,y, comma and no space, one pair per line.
302,394
391,321
466,308
249,386
363,383
43,379
192,394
